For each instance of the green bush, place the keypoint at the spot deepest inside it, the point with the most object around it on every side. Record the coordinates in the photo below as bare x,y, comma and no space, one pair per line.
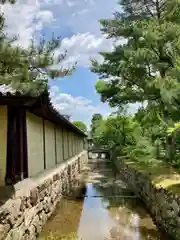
143,148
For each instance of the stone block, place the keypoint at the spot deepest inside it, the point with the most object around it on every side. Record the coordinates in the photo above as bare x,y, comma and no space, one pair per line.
42,194
44,185
163,205
31,233
39,207
29,214
10,211
17,233
4,229
14,207
36,224
56,177
24,216
19,221
43,217
34,196
4,212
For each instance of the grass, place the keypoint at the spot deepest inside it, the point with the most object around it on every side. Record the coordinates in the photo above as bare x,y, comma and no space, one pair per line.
161,174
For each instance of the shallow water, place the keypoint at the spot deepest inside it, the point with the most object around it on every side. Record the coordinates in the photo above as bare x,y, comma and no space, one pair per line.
109,211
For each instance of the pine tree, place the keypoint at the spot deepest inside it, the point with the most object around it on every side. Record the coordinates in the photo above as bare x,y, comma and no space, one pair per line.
146,67
28,70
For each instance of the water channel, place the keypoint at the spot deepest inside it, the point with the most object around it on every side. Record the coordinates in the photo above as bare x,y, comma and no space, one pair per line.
108,211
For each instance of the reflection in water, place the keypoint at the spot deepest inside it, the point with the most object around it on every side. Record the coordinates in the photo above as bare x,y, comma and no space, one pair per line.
64,222
121,217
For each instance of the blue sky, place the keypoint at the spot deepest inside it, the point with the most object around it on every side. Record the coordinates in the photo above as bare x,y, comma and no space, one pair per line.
77,22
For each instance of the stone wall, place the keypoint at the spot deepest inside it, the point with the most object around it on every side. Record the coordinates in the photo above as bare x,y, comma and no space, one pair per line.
35,199
164,206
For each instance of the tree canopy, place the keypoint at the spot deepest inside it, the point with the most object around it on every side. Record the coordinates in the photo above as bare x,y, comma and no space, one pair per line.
28,69
80,125
145,67
95,124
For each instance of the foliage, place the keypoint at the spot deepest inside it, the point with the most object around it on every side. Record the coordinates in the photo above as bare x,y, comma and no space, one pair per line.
28,70
80,125
123,134
142,149
146,66
172,130
95,124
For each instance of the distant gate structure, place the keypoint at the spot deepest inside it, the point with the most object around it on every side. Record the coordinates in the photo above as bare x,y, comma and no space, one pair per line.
96,152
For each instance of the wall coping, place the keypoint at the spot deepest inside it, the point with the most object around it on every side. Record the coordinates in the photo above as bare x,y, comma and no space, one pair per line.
34,199
24,187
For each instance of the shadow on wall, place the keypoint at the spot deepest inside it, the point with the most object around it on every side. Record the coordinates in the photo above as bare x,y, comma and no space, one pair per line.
6,192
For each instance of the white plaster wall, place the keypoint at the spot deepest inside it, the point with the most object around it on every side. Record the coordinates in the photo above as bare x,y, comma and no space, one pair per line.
49,144
35,144
59,145
65,139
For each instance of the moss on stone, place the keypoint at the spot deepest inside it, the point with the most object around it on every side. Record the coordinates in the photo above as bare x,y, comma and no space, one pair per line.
161,174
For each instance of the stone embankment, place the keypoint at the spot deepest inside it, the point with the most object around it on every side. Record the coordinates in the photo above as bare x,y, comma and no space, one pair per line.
35,199
163,205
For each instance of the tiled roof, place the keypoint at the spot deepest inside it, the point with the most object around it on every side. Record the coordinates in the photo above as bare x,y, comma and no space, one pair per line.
7,89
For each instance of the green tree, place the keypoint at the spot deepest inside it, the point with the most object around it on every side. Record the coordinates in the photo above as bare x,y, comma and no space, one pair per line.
153,126
28,70
98,133
80,125
123,135
146,66
95,124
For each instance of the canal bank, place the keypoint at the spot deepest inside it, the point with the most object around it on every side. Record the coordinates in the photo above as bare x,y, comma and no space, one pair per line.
163,204
109,210
35,200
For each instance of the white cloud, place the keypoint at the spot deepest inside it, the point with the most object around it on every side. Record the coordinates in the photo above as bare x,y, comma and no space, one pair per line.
81,12
71,3
28,17
25,18
79,17
51,2
45,16
79,108
81,47
83,20
93,11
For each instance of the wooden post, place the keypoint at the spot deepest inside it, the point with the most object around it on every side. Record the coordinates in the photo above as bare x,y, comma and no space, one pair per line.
17,162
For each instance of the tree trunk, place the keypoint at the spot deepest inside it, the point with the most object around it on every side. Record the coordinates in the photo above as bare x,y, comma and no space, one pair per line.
171,148
158,150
